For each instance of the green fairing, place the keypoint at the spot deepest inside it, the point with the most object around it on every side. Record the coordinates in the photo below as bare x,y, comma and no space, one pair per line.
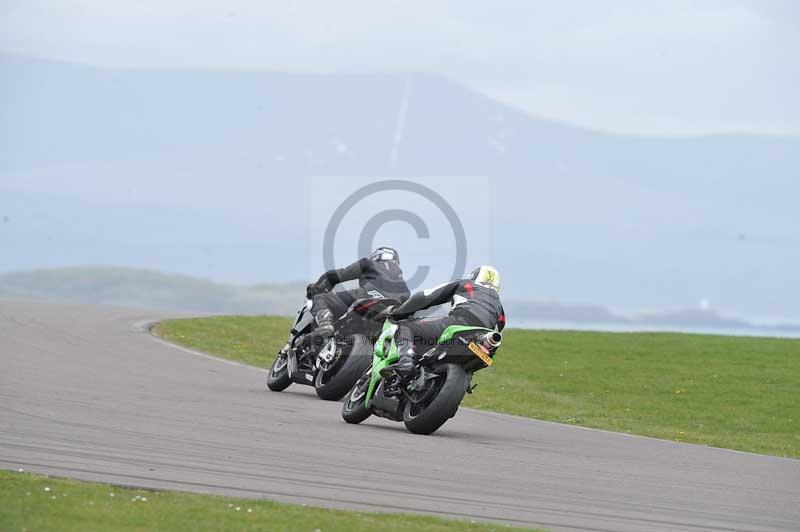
380,360
385,332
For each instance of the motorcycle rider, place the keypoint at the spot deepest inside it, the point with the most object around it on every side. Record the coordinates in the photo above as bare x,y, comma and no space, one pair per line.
475,301
379,277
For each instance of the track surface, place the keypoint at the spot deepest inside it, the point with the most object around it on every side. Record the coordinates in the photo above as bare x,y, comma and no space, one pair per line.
88,393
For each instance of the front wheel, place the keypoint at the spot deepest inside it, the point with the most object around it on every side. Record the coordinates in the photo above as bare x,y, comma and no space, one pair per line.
429,409
278,378
354,409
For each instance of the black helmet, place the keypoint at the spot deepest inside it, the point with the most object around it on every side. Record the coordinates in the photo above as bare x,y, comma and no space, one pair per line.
387,254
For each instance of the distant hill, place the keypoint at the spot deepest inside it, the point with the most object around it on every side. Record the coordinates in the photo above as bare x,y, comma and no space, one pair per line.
289,124
209,172
128,287
597,317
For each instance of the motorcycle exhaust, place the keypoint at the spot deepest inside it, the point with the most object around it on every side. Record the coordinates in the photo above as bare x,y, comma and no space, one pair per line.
491,340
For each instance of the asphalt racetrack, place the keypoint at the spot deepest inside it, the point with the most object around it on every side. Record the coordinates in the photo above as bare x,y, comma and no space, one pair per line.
89,393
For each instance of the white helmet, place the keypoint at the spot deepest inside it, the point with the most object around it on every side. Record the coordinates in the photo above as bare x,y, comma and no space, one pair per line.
486,276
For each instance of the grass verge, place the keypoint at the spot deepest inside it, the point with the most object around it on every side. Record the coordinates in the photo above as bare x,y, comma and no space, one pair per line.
35,502
734,392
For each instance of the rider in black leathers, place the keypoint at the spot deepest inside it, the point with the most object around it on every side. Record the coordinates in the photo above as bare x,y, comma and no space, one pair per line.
475,301
379,276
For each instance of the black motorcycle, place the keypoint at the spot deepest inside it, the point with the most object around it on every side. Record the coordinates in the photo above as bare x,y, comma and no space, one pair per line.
332,365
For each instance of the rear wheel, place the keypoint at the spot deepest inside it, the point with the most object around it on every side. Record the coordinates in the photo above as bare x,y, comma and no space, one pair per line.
334,385
429,409
278,378
354,409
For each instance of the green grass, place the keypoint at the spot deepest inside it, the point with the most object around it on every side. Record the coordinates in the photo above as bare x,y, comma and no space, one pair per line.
252,340
734,392
34,502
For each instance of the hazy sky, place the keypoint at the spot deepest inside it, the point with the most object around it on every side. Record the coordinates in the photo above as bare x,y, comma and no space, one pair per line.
678,67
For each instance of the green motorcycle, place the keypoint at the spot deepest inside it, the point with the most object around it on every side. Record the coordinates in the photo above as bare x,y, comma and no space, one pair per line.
442,376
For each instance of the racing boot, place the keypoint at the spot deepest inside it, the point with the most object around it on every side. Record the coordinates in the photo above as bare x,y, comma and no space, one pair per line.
324,328
403,367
